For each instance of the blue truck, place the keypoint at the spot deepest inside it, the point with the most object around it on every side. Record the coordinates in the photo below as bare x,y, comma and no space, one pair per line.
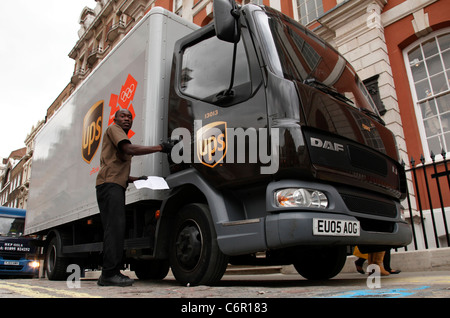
17,253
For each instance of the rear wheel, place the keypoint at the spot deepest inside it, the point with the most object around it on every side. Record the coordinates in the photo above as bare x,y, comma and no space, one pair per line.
55,264
321,263
195,257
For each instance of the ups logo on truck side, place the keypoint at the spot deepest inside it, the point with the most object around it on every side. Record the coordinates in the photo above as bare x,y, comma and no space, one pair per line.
211,143
92,131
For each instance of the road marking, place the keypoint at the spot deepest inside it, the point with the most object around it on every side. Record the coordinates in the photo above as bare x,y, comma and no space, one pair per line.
381,293
34,291
25,292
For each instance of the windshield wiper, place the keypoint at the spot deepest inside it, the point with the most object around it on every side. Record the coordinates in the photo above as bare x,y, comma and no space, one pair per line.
327,89
331,91
373,115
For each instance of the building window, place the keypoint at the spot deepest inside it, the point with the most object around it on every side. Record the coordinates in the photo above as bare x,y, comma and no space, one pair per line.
309,10
428,66
178,6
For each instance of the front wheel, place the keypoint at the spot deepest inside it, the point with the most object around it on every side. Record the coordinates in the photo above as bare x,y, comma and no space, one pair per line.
195,257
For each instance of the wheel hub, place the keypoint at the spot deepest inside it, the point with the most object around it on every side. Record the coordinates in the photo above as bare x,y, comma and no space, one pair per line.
189,246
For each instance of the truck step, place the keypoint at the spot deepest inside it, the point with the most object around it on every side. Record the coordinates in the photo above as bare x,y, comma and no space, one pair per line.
252,270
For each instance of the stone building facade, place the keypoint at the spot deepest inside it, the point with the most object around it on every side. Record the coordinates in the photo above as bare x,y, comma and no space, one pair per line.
15,173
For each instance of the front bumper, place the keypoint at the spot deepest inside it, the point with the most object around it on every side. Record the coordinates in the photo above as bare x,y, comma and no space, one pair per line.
379,217
296,228
17,267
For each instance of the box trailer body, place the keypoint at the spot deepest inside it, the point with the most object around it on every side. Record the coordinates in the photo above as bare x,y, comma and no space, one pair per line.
281,151
66,159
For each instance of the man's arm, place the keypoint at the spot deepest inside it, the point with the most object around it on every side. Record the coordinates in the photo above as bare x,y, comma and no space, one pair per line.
138,150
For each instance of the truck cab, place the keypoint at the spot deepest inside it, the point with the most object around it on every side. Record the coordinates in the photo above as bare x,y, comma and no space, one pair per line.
18,254
289,154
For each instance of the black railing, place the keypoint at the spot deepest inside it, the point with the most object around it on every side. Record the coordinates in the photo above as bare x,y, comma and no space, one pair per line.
424,180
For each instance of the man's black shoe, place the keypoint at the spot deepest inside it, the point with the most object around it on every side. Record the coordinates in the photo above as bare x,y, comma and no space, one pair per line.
116,280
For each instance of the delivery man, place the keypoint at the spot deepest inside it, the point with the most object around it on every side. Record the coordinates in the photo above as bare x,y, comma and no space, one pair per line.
111,183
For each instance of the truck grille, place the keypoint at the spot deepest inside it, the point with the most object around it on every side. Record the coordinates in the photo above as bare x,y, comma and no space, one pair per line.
369,206
376,225
359,166
367,160
11,267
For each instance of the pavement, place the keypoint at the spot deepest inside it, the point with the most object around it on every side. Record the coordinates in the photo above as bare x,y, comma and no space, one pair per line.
437,259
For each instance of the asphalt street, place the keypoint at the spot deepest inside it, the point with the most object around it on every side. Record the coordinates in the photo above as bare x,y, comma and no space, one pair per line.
346,285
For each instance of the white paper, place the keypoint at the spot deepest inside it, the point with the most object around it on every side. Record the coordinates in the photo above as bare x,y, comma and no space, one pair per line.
154,183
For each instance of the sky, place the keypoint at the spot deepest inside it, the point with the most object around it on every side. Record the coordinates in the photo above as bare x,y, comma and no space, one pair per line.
36,39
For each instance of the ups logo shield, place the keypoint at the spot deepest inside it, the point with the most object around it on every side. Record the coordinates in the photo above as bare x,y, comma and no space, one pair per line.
92,131
212,143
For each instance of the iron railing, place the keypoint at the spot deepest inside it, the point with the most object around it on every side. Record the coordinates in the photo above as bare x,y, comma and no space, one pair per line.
429,178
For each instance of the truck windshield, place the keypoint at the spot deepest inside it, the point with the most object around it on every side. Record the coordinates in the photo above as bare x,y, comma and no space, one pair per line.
11,227
296,53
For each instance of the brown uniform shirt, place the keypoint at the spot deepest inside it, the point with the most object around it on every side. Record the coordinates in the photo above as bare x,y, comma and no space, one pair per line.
115,165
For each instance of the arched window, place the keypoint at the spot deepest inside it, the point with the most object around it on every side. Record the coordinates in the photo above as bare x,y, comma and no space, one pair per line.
428,67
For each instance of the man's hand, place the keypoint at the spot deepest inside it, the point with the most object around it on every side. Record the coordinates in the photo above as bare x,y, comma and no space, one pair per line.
168,145
132,179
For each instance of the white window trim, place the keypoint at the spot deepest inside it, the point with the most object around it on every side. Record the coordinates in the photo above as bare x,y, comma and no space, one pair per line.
418,112
294,6
297,17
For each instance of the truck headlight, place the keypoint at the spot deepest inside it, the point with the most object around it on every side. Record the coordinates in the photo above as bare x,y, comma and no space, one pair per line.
301,198
34,264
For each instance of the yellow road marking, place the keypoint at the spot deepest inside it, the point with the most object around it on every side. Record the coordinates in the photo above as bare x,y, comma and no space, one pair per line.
31,291
25,292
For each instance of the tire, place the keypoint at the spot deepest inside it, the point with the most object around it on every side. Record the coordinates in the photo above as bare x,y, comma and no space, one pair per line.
151,270
55,264
321,263
195,257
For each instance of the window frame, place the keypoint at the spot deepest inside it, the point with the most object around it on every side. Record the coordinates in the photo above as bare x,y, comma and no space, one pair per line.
417,102
207,33
309,18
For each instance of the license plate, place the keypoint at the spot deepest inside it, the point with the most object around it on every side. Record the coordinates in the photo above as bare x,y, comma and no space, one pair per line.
10,263
331,227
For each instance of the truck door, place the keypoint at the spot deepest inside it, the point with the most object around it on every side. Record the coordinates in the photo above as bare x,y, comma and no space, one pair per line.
226,116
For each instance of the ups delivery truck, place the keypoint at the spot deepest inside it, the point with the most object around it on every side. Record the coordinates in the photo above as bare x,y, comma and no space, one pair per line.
282,156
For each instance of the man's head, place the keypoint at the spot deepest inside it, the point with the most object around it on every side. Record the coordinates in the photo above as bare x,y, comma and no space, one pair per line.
124,119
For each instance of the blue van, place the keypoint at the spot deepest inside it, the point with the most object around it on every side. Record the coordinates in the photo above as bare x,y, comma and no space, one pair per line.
18,256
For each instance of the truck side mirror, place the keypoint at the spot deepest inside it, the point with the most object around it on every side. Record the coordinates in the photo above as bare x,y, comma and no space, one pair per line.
226,20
